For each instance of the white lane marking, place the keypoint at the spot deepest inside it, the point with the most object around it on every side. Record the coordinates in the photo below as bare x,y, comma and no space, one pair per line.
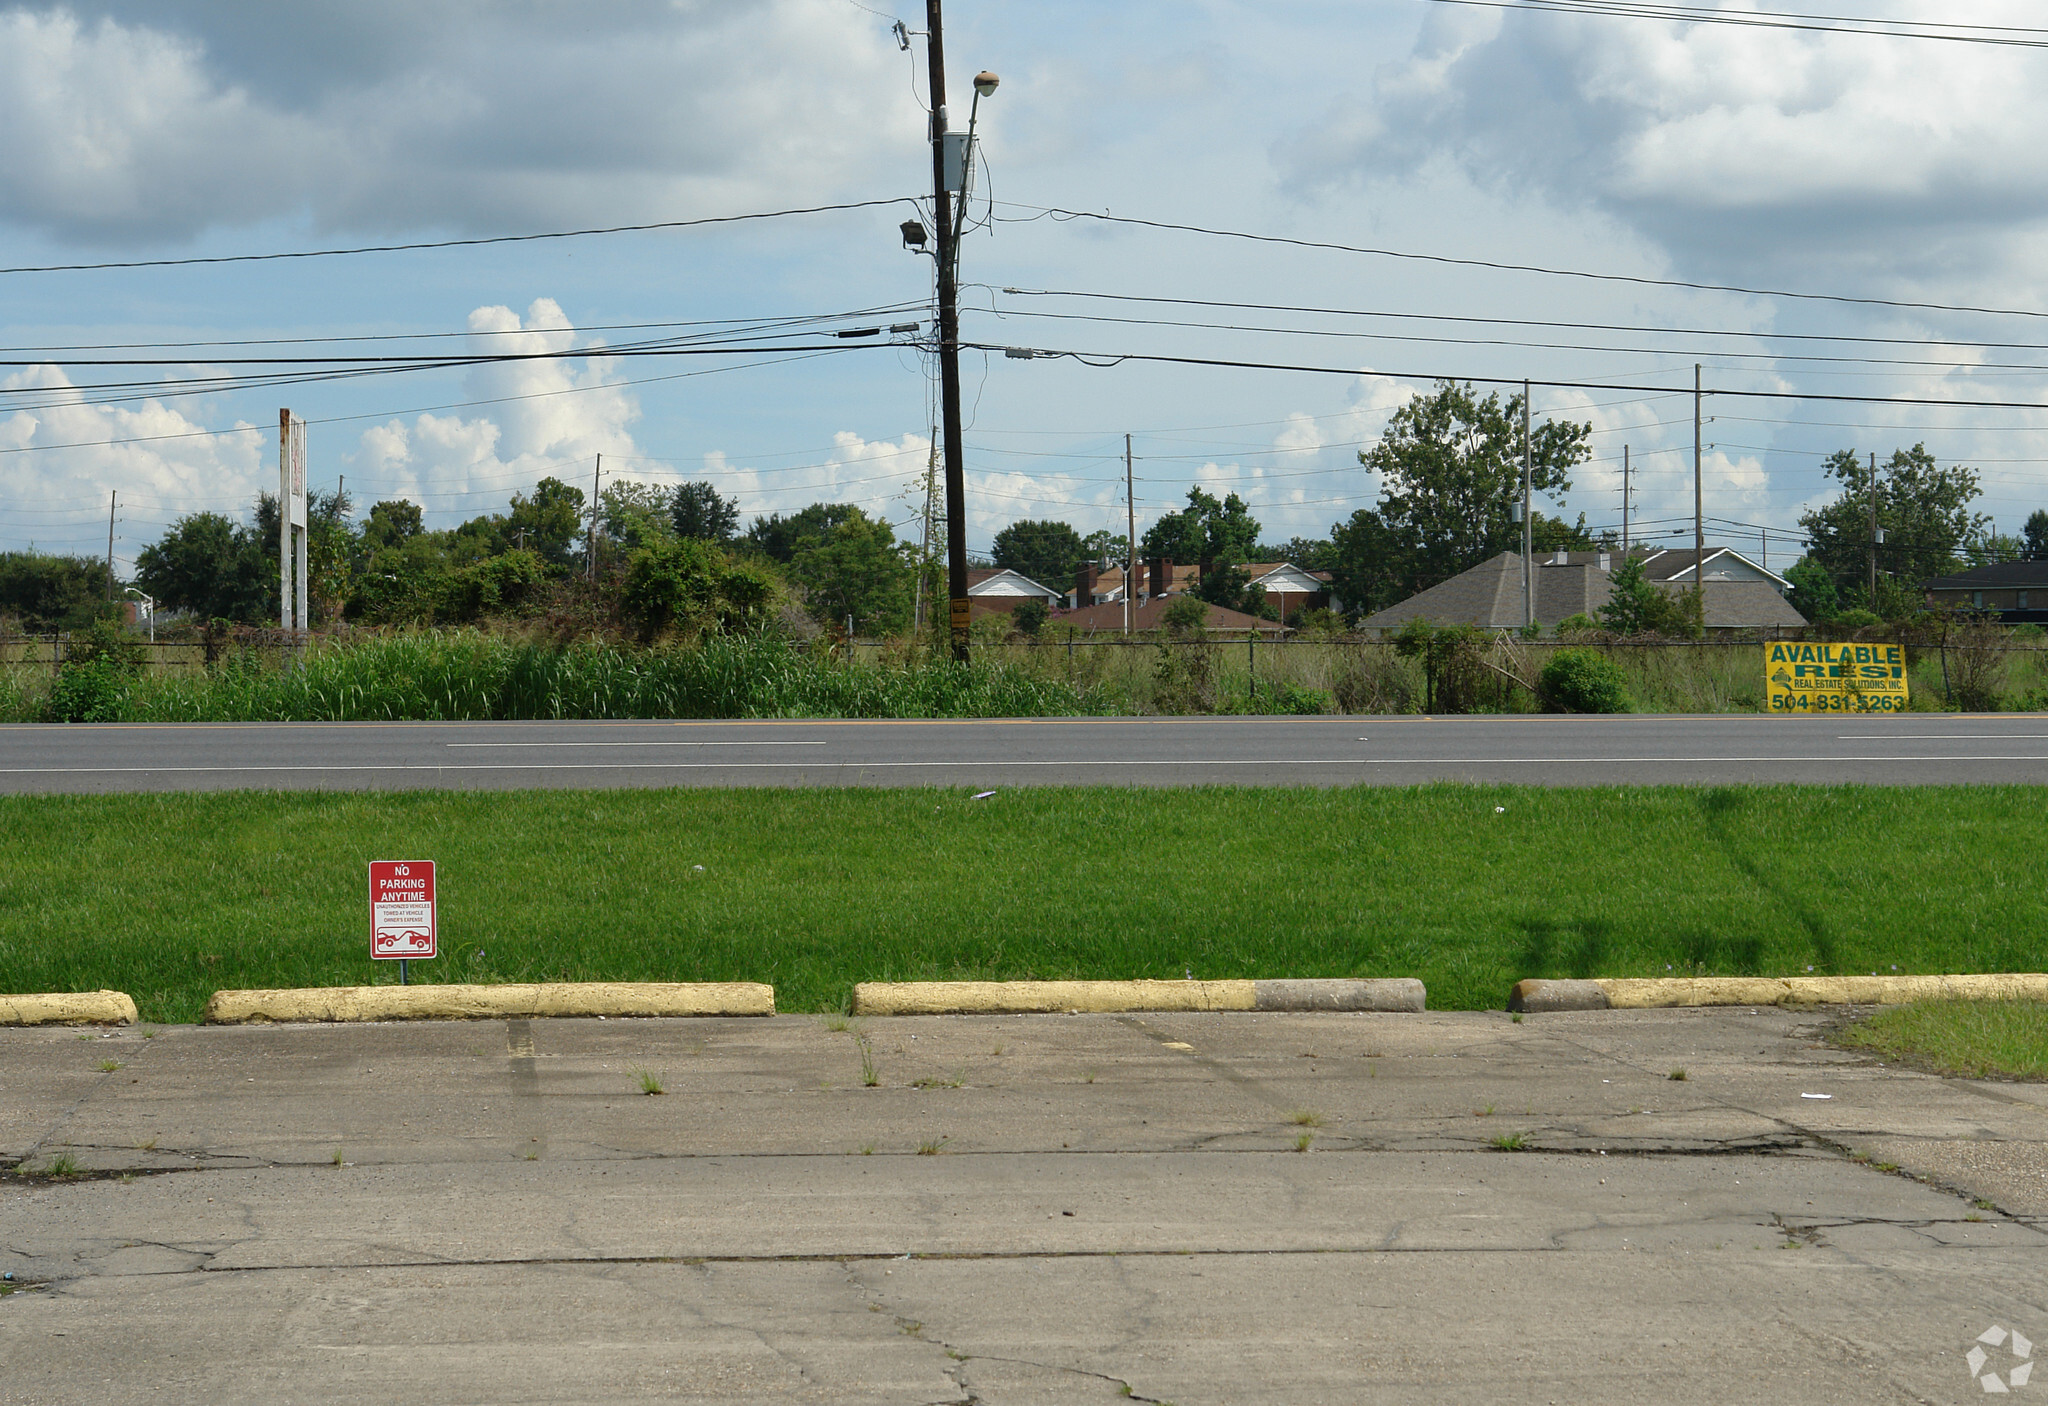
830,764
654,766
1940,736
677,743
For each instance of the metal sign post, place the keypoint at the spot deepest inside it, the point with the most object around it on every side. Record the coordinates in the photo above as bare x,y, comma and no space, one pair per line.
291,522
402,912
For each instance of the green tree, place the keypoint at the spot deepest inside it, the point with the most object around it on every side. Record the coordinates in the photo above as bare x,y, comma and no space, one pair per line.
1365,564
2036,535
333,549
1185,617
47,593
1204,531
1550,534
1308,553
1048,552
214,567
547,522
856,568
1813,590
1450,467
632,515
697,511
692,586
1924,510
1638,606
391,522
780,538
1030,616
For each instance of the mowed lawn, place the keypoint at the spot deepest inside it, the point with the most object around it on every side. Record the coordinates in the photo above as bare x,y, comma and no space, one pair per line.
1469,888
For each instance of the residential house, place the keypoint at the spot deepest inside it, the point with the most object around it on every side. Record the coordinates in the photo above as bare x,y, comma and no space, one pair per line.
999,588
2017,591
1107,618
1737,594
1288,588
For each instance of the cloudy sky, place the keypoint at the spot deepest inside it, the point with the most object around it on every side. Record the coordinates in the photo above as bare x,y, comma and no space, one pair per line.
1888,169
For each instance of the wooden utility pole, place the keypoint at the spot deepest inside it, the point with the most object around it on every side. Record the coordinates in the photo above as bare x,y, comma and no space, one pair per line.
1130,539
596,477
924,553
1699,520
1624,502
1528,526
112,495
949,341
1871,604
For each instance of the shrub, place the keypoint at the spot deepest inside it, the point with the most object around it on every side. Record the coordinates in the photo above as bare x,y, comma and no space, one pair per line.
1573,626
1185,616
1290,698
1584,681
1030,616
87,693
100,663
1452,662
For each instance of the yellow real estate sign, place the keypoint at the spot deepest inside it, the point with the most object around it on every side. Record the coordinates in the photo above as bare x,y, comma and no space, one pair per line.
1835,678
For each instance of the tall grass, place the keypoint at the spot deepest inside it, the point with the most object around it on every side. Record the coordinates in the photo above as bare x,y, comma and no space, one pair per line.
462,676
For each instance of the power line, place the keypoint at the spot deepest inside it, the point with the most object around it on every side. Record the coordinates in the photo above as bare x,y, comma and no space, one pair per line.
1058,213
412,410
2011,36
1771,356
453,243
1860,339
1103,360
741,323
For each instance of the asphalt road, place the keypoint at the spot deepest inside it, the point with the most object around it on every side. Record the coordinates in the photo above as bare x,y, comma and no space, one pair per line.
1920,749
1038,1210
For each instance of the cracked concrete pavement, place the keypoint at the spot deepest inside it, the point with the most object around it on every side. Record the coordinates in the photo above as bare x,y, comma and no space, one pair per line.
1020,1209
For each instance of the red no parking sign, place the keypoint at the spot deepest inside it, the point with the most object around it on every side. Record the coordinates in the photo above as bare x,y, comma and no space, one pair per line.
401,909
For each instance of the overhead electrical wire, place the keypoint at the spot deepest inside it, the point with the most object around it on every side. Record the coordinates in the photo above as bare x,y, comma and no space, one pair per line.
1062,214
1771,356
458,243
412,410
1851,338
2012,36
1104,360
742,323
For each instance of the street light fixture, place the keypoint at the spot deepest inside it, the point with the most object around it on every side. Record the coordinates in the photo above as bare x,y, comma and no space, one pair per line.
148,608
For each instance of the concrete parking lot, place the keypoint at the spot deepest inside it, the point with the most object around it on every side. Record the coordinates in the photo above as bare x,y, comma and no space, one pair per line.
1019,1209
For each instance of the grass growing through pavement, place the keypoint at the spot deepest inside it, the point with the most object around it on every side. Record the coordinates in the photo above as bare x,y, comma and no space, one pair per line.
1981,1039
170,897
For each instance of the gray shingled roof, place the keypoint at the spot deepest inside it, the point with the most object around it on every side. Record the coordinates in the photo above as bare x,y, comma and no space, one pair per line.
1490,595
1999,574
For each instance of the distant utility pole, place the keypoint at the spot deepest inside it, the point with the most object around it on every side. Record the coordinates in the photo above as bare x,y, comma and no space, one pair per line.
596,476
1872,603
1624,501
1699,521
1528,527
1130,538
924,554
112,494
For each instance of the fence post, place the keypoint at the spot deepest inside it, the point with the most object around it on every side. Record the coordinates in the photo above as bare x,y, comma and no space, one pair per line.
1251,663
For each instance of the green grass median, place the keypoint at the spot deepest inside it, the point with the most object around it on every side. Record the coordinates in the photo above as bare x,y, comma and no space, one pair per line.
171,897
